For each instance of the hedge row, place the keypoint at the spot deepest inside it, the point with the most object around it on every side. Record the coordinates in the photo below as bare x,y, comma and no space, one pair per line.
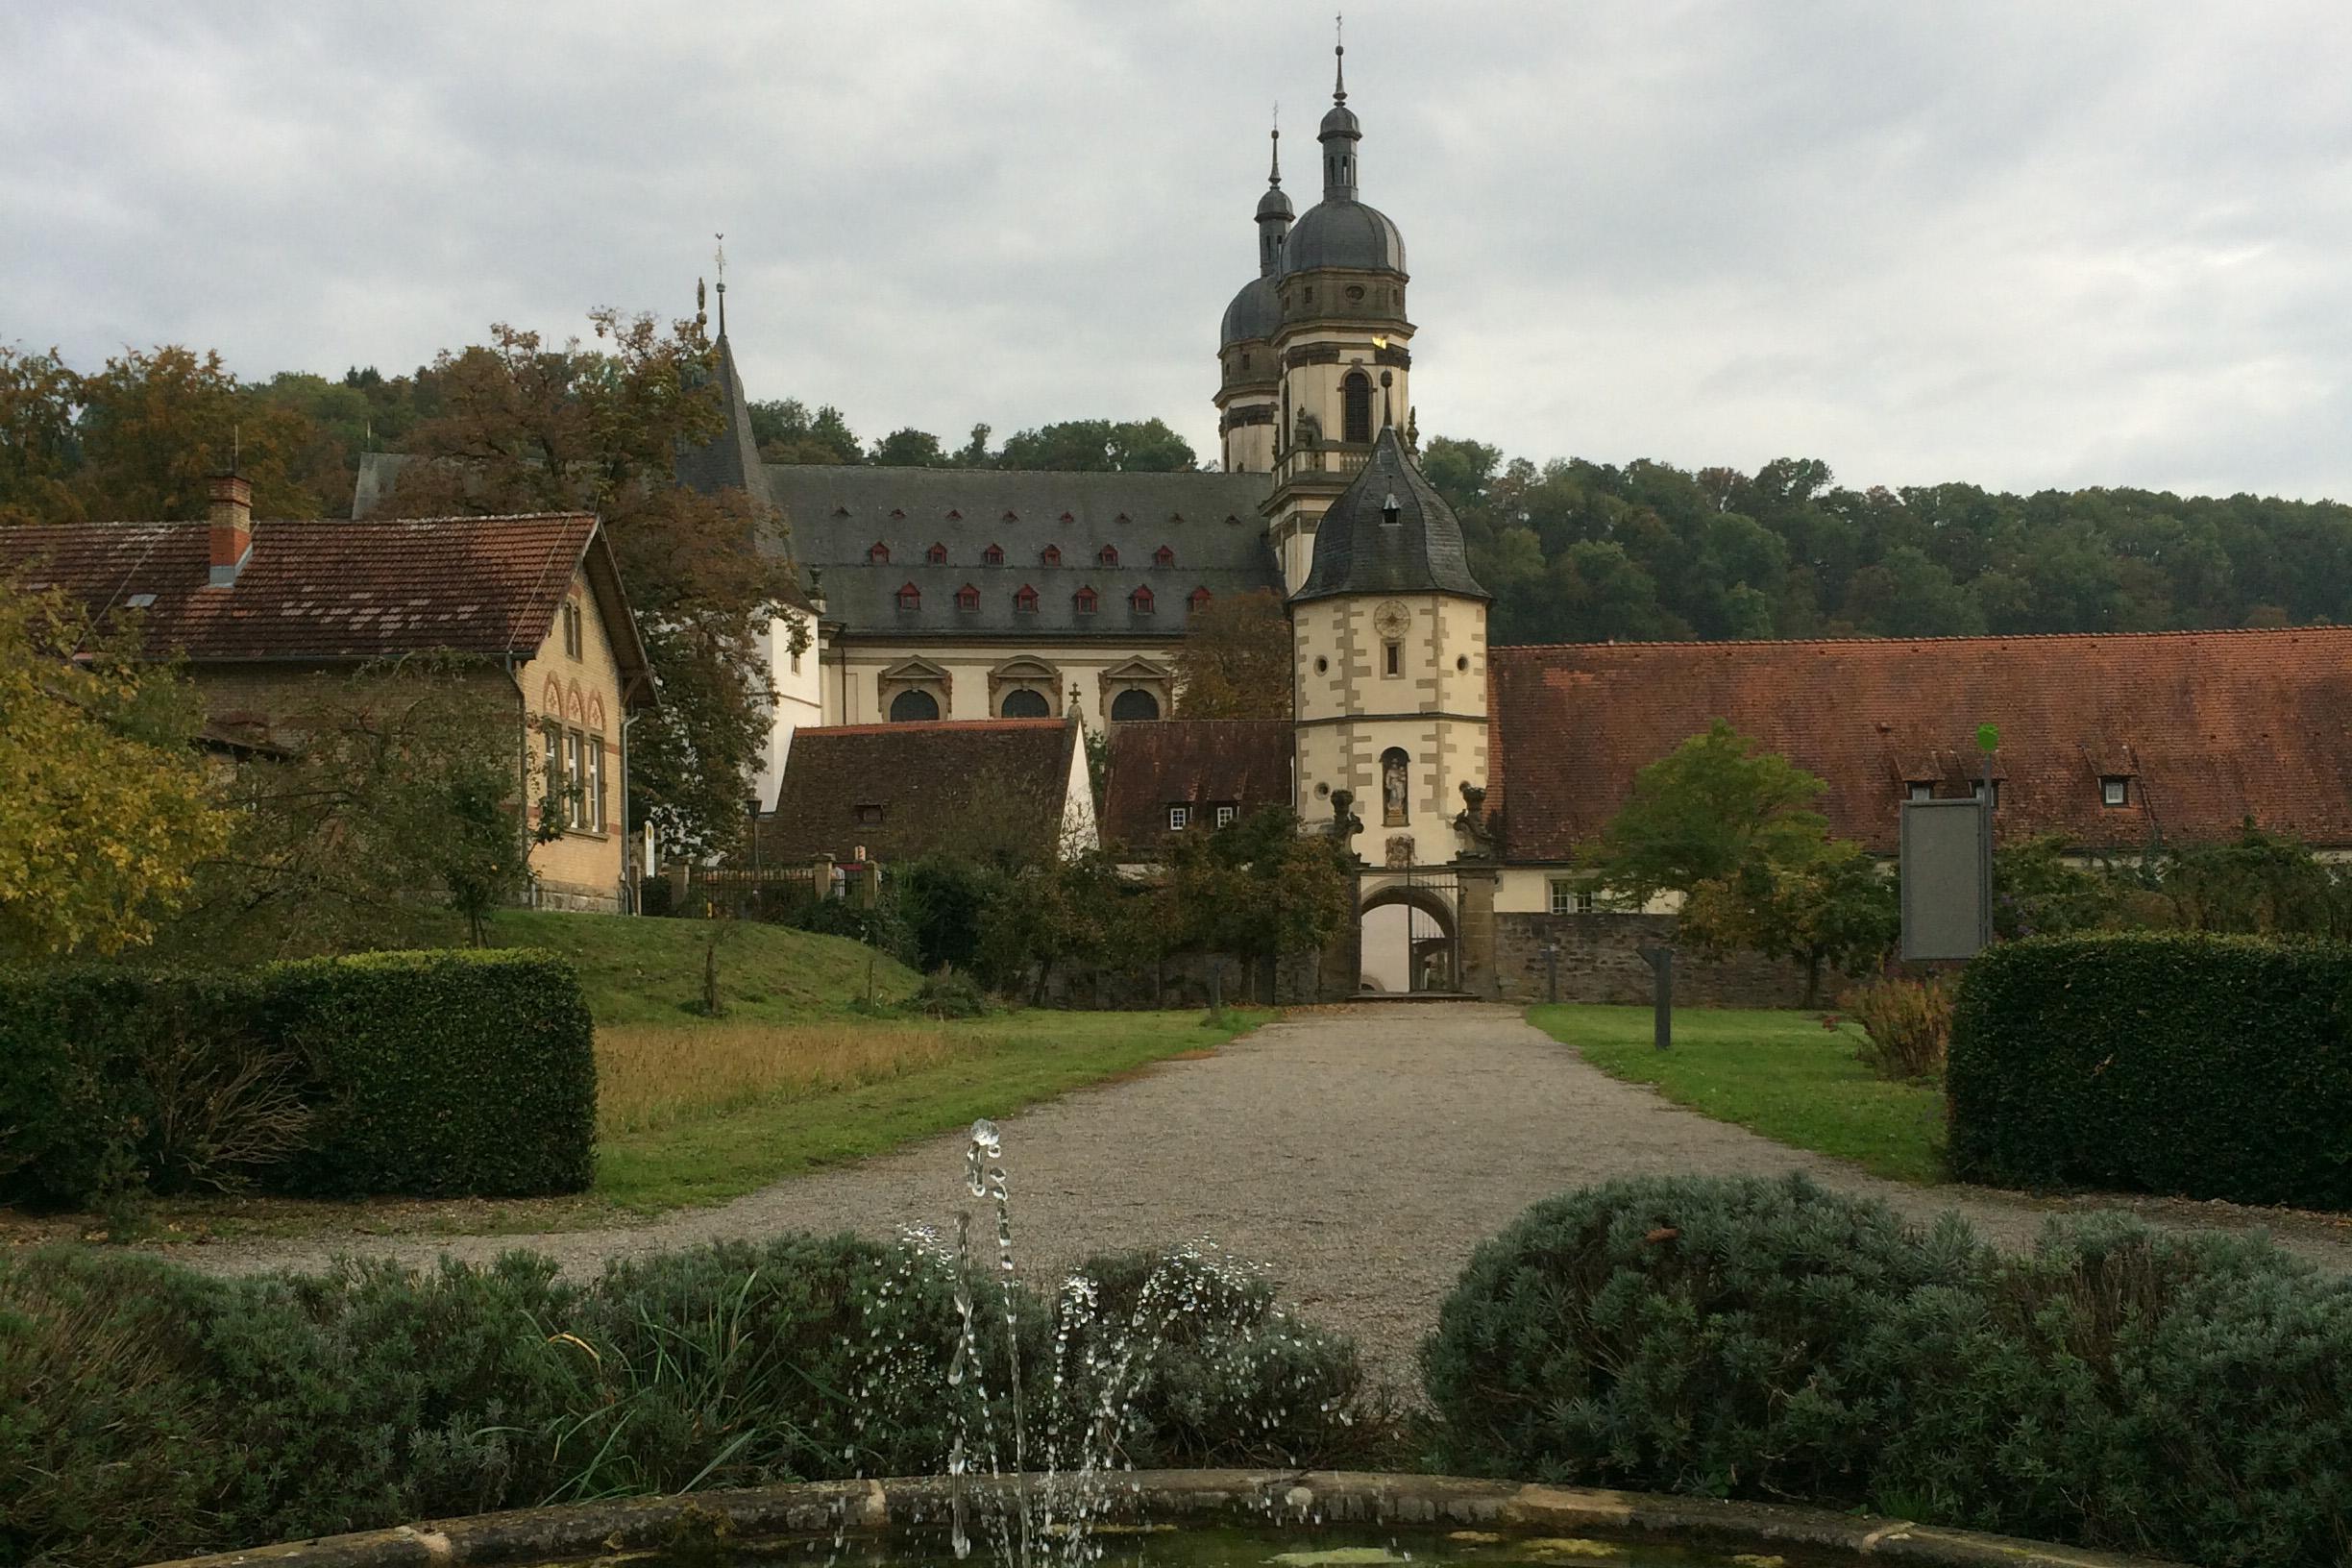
2157,1062
436,1074
149,1412
2188,1396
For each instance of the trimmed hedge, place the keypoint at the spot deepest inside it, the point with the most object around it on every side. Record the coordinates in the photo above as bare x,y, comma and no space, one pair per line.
147,1412
2188,1396
2159,1062
434,1074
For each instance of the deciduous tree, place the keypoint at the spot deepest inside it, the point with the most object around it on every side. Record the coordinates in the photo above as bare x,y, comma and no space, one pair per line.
1703,812
1235,659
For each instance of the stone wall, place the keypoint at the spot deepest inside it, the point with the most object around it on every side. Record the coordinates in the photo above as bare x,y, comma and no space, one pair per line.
1599,961
1182,981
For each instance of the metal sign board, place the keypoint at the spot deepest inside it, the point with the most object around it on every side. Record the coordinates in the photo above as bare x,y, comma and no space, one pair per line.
1946,849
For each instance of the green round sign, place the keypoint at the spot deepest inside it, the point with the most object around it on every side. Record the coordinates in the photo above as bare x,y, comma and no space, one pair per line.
1988,738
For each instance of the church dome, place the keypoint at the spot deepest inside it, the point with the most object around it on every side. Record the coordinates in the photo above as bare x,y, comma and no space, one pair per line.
1390,532
1339,232
1339,121
1274,204
1253,314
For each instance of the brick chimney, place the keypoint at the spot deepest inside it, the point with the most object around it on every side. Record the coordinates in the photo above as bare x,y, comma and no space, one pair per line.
231,524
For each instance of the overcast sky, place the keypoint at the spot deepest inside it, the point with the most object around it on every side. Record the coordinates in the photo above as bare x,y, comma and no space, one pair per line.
2051,243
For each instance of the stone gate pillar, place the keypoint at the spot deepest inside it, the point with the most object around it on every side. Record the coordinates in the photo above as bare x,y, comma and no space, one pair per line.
1476,914
1339,974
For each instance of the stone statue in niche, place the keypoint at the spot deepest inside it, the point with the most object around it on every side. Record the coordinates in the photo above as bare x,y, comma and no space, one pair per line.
1400,853
1478,834
1392,788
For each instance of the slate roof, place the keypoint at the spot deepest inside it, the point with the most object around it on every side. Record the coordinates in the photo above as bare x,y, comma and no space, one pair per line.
730,459
2210,727
929,787
1359,550
1340,232
1196,762
333,590
838,513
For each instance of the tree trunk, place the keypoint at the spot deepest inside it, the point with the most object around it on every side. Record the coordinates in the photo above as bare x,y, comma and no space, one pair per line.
1813,968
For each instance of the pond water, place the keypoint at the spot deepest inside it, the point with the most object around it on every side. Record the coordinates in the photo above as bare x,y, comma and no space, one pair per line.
1166,1546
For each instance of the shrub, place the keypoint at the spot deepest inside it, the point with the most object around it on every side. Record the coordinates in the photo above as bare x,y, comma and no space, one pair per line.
1908,1023
2120,1386
948,993
429,1073
2210,1067
147,1412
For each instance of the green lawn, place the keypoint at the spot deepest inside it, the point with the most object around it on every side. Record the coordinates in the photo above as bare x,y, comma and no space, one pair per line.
1782,1074
639,971
999,1066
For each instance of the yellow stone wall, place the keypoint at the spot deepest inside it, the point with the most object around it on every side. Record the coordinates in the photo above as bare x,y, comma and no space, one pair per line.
583,869
853,675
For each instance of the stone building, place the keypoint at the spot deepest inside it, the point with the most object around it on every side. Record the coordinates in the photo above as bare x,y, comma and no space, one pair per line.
262,610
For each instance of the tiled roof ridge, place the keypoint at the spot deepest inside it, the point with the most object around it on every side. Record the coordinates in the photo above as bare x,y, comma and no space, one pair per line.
935,726
1906,641
260,523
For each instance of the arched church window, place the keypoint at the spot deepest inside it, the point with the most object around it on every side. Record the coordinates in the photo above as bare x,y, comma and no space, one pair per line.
1356,406
937,554
1025,601
910,596
1393,765
912,707
1021,703
1134,704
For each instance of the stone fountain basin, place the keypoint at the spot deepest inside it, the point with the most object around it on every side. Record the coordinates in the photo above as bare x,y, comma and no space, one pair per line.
754,1521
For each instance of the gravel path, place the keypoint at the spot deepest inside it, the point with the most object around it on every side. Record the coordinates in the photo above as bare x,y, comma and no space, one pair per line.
1361,1151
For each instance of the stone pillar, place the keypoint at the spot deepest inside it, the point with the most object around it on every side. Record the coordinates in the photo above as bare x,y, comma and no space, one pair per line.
1340,974
1476,914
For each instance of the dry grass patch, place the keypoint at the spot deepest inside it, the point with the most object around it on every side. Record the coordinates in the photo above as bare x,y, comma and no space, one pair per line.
651,1076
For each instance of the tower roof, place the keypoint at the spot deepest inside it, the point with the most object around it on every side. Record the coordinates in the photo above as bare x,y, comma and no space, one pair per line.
1390,532
730,459
1344,234
1253,316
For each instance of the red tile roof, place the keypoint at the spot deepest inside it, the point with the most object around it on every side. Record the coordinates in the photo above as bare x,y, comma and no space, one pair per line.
314,590
1195,762
905,791
2212,728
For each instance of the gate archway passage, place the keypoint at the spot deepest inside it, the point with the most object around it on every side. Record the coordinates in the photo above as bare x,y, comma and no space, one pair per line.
1408,932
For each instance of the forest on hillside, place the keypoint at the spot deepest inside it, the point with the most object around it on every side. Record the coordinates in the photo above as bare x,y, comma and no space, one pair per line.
1572,549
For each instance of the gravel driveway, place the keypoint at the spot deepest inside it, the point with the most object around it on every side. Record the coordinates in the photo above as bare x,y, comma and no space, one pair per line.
1361,1151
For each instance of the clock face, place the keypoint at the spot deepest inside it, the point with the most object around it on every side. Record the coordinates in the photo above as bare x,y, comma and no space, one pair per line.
1391,619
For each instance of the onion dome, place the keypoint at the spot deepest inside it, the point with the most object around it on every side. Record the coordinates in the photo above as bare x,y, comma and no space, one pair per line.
1253,314
1339,231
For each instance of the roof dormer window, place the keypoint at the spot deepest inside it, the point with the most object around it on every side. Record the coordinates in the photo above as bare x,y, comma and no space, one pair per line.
1108,556
878,555
1200,599
937,554
1086,601
1163,557
1050,555
2115,789
1140,601
1025,601
910,596
967,598
993,556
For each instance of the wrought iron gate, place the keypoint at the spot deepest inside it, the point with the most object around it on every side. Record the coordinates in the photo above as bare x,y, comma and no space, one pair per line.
1435,944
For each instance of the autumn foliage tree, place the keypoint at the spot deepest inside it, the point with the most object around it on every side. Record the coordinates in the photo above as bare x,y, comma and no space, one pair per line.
1236,658
105,809
527,426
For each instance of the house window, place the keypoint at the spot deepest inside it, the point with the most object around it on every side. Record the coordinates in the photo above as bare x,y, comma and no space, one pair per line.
1050,555
1140,601
1025,601
878,555
869,816
572,627
1393,657
1087,600
1201,598
1976,790
1108,556
550,731
967,598
2114,792
937,554
1920,790
1355,406
1163,557
1226,814
1179,818
993,556
595,783
910,596
1568,899
576,804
